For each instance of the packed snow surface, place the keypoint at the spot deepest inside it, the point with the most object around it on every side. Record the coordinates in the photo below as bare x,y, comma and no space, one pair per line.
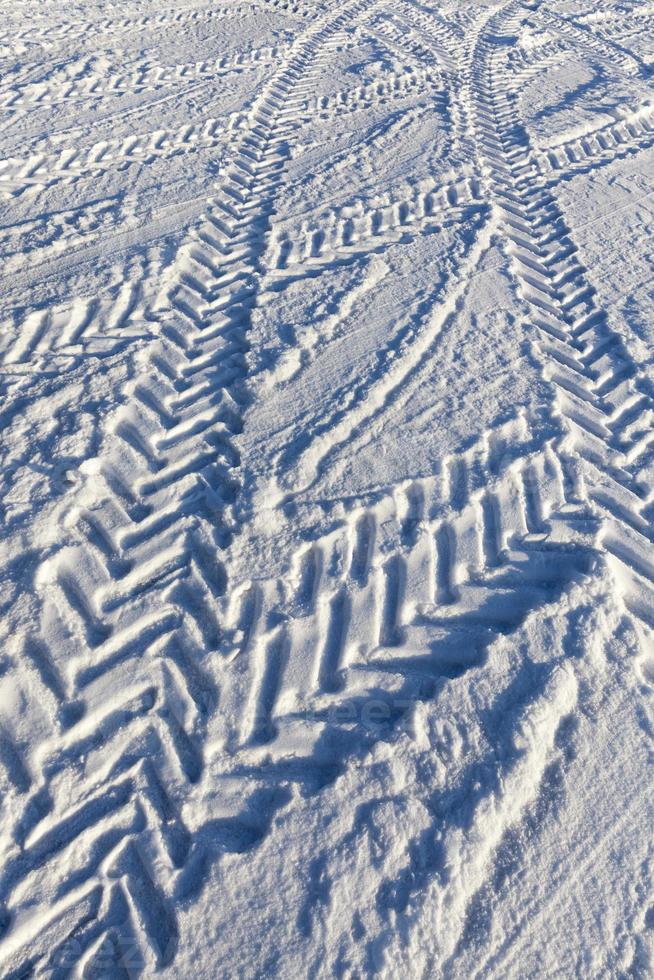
327,470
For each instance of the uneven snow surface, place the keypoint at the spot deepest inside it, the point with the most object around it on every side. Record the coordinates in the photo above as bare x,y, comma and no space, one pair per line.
327,470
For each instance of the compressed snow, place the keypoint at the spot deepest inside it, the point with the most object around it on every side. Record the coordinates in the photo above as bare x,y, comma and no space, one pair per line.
328,489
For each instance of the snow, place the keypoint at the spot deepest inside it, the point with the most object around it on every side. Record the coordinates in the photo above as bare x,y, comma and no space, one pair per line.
328,489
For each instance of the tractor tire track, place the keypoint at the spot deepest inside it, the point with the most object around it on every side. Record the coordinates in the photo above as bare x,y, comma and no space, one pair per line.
36,173
147,577
628,136
599,391
411,590
38,95
361,227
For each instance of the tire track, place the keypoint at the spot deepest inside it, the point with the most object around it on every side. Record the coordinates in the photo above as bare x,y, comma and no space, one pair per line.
88,323
49,37
147,79
617,21
133,608
526,64
360,227
599,147
35,173
581,36
399,86
437,31
375,616
605,403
